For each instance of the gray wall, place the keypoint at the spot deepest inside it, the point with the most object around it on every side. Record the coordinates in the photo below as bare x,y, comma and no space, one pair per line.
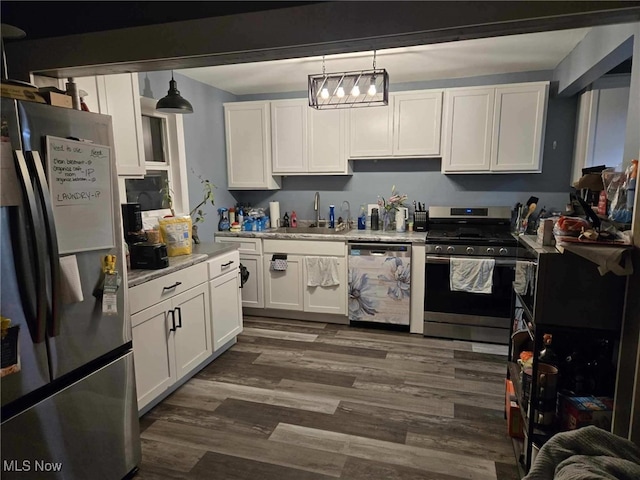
421,178
204,140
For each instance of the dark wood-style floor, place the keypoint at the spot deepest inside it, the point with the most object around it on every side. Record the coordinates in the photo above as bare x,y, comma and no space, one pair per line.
309,401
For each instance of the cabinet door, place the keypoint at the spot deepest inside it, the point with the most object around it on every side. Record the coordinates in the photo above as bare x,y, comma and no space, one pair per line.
417,123
226,308
327,133
518,128
327,299
468,127
252,291
95,89
248,140
153,352
283,289
371,131
122,102
289,136
193,334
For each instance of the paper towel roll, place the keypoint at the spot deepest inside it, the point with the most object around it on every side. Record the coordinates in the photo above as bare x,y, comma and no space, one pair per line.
274,214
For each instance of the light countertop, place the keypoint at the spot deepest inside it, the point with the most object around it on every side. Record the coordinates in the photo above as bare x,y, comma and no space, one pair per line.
201,253
352,235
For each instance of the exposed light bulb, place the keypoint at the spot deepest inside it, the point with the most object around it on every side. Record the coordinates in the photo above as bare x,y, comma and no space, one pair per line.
324,93
372,88
340,92
355,91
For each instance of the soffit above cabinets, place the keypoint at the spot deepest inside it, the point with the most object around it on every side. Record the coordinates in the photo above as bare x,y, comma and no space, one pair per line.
468,58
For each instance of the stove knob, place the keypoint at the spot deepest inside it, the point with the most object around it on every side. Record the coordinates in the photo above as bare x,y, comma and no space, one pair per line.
451,249
470,250
491,251
438,249
503,251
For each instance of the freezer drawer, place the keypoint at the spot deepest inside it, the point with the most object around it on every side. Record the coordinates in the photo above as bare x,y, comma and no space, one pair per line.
87,430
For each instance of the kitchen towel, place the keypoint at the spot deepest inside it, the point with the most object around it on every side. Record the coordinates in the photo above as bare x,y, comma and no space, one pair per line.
322,271
473,275
525,277
279,262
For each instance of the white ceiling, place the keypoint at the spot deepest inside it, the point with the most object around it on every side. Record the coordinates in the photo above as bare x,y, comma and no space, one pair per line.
468,58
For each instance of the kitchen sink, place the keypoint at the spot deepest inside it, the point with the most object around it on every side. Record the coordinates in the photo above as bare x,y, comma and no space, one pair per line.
318,230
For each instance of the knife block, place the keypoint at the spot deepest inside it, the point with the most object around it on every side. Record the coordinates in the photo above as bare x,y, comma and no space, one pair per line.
420,221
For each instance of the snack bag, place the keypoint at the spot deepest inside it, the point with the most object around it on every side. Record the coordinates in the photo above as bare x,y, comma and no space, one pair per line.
176,234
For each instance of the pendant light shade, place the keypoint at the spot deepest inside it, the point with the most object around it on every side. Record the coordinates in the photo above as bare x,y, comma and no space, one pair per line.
173,102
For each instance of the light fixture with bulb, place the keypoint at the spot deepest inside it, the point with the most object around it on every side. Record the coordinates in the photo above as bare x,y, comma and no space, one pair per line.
345,89
173,102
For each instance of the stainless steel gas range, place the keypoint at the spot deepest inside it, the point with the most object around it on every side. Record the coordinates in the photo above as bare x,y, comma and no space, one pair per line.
479,233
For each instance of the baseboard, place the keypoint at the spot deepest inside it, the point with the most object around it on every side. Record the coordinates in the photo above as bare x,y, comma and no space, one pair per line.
296,315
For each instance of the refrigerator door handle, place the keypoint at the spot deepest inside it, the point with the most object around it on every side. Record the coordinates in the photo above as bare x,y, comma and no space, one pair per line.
173,320
37,330
179,316
53,325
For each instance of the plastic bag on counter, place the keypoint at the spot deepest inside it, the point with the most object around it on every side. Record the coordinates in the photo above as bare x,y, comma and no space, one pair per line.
570,226
176,234
615,185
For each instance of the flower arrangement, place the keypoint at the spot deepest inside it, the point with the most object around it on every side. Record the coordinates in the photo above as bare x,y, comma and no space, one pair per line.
395,201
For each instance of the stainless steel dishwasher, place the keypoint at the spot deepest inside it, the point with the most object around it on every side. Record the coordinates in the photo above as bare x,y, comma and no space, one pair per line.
380,283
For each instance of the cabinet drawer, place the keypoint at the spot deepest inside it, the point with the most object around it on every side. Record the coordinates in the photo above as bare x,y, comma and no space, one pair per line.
167,286
249,246
223,264
305,247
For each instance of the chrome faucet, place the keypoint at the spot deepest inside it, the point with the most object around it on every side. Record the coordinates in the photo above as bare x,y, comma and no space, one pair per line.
348,220
316,207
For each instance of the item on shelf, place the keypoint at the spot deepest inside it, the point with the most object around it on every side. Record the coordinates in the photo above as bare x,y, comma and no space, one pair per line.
579,412
547,355
514,419
546,385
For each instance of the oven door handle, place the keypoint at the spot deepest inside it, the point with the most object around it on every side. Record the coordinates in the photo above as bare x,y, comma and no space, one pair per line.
500,262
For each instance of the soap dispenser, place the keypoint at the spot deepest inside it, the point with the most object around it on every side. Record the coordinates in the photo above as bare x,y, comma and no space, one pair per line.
294,219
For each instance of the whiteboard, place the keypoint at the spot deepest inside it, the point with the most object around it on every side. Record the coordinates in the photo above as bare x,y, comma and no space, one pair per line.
81,186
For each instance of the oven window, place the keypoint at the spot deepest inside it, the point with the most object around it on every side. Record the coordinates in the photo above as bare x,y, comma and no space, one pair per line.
439,297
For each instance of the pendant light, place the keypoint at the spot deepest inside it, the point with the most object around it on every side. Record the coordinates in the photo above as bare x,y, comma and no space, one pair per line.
173,102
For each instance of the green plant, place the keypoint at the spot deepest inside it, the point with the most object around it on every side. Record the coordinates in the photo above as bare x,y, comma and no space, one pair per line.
207,198
167,199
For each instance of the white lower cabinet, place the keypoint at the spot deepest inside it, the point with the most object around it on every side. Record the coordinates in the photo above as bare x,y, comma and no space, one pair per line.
283,289
288,289
170,339
253,289
226,308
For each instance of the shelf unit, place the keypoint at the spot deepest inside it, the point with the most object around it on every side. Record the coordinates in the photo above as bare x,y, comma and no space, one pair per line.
575,304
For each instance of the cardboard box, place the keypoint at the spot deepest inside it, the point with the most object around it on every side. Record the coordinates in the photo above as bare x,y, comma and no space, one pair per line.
514,419
579,412
58,99
21,92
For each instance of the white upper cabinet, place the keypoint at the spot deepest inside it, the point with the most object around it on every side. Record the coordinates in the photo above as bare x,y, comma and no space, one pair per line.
371,131
468,124
327,138
119,96
289,135
417,123
518,128
494,129
248,141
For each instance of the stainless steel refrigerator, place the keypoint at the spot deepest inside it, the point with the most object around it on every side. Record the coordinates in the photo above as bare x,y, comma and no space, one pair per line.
68,389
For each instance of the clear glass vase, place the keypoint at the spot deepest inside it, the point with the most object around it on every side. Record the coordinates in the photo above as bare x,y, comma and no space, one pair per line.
389,221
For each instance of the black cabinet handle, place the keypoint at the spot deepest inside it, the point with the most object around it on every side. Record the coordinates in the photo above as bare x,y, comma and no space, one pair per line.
227,264
171,287
179,316
173,320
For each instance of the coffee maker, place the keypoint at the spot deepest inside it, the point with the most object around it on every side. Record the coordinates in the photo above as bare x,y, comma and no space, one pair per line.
132,223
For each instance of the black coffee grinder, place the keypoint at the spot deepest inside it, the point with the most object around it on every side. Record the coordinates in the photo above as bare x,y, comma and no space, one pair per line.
132,223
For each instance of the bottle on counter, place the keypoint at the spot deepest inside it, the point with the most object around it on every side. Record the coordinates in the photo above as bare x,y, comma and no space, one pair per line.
232,215
332,216
294,219
285,220
375,220
362,218
240,214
